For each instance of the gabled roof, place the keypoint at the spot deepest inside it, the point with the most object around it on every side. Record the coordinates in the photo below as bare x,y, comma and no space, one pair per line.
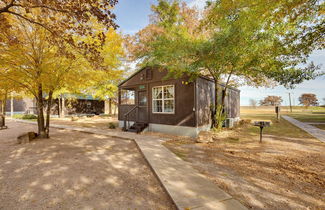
132,75
201,76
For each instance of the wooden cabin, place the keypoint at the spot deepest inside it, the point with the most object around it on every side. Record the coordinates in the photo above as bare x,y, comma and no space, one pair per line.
150,101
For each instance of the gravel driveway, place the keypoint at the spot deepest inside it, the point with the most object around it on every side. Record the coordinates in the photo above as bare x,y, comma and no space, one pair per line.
74,170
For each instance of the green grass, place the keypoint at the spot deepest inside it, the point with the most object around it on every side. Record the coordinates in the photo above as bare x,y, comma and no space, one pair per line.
30,117
308,117
277,128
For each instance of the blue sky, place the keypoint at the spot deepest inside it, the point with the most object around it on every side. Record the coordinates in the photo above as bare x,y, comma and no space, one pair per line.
133,15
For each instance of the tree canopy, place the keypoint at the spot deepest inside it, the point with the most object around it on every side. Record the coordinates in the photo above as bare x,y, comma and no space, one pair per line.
308,99
252,42
271,101
30,61
63,19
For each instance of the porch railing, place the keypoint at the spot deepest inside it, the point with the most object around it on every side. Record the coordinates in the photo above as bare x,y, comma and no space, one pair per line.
127,119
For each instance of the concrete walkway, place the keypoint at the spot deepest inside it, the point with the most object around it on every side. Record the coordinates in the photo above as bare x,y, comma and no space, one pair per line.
187,187
312,130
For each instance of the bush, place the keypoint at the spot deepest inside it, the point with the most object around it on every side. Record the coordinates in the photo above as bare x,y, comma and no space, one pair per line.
73,119
18,116
25,116
112,125
245,122
29,117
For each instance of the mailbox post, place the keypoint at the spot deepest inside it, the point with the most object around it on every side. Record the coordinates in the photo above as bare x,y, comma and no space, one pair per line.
262,124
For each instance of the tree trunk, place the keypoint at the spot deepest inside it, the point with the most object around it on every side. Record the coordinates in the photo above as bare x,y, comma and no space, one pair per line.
40,116
214,108
220,109
62,106
4,104
110,106
48,113
59,106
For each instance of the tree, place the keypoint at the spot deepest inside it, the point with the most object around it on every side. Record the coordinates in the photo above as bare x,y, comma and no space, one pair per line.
308,99
42,69
6,88
271,101
63,19
252,102
240,40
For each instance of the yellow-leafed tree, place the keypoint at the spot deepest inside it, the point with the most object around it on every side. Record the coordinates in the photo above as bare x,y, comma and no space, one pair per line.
42,68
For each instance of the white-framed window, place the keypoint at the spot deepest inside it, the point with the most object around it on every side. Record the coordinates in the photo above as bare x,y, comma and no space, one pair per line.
163,99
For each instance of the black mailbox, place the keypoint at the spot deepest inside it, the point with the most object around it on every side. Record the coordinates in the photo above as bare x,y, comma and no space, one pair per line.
277,109
262,124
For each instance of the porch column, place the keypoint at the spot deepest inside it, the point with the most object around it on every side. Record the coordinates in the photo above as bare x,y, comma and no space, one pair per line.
12,105
62,107
106,107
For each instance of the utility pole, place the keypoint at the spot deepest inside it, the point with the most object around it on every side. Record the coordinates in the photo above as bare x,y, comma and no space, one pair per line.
290,102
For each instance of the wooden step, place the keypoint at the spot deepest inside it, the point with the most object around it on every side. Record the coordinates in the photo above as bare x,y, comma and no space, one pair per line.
138,127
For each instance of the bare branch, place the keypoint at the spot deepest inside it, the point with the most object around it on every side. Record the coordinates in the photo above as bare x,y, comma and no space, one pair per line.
31,21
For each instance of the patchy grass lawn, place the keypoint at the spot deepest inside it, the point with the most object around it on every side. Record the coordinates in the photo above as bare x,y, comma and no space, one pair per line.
278,128
75,170
285,171
308,117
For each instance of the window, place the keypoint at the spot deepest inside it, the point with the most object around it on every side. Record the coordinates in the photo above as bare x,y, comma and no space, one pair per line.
127,97
148,74
163,99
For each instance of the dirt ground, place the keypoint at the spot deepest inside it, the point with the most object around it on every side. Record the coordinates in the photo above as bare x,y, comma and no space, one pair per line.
74,170
280,173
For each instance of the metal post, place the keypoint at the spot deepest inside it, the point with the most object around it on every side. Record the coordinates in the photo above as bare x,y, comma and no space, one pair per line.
290,102
261,133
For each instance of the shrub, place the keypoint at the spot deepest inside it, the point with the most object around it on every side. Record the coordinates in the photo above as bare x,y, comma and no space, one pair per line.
74,119
25,116
245,122
29,117
18,116
112,125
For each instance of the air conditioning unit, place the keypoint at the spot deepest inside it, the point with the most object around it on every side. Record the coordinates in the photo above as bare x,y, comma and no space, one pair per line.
229,123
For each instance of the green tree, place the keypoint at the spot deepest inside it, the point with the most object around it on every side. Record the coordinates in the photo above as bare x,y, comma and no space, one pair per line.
240,40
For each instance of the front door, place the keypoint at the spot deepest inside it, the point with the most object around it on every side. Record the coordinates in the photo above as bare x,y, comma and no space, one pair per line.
143,106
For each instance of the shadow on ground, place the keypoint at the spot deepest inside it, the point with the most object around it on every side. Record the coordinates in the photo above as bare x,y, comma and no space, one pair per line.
280,173
74,170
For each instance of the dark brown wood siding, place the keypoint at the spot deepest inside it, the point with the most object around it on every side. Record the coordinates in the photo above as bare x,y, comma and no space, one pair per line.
192,99
204,99
232,103
184,98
